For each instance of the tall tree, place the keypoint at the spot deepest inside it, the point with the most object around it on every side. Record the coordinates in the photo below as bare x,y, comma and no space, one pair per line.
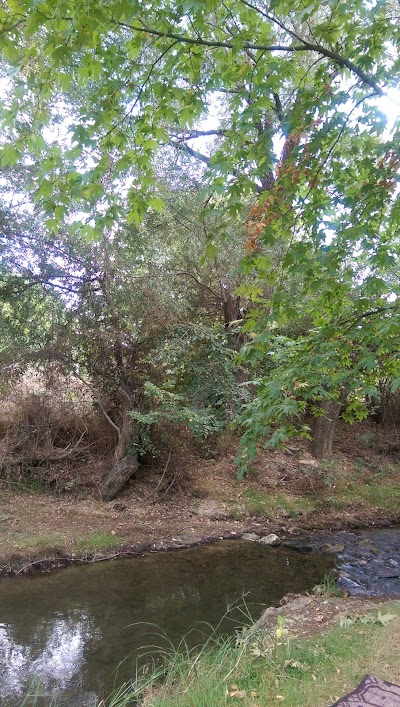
128,79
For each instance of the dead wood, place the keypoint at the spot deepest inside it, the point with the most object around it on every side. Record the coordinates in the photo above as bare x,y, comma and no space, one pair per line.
118,476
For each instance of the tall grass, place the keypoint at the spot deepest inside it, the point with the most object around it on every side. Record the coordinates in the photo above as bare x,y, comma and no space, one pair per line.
257,669
35,696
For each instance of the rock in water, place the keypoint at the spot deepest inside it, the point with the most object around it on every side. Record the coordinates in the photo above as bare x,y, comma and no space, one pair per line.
333,548
250,536
270,539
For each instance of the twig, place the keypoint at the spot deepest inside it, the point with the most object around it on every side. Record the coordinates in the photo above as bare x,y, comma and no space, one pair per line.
85,560
162,477
169,486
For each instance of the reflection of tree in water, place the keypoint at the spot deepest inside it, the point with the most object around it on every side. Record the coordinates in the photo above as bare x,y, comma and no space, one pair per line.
181,598
55,657
83,629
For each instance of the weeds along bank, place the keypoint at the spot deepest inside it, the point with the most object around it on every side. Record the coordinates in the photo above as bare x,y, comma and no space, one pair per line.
271,668
50,432
309,657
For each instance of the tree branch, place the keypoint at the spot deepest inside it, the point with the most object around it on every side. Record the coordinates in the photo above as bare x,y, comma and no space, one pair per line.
191,152
319,48
304,46
368,313
200,133
201,284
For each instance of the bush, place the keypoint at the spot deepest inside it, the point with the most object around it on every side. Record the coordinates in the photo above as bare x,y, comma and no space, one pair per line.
49,428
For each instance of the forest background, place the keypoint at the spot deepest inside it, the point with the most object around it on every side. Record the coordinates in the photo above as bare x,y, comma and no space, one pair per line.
166,279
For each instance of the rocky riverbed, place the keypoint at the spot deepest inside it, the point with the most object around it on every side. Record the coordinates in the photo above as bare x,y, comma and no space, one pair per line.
367,561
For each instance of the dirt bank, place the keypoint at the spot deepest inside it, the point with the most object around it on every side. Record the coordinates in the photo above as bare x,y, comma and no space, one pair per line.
44,533
287,493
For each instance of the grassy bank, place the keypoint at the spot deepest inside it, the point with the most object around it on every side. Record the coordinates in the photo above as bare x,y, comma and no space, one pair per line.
260,670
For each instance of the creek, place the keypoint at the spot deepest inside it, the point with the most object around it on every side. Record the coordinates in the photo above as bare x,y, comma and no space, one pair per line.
80,631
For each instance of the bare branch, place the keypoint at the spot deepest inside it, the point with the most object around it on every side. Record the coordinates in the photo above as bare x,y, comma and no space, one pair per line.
189,274
190,151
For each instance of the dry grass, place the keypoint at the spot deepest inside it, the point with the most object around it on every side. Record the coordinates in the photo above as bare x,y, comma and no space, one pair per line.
49,427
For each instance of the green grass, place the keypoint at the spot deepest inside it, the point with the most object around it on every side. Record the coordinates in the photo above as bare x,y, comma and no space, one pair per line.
39,541
328,586
97,542
259,670
258,503
375,495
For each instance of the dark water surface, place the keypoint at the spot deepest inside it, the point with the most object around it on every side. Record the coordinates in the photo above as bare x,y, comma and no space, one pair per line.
72,629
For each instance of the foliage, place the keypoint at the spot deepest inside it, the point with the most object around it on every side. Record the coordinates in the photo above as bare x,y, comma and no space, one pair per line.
197,362
348,354
382,619
173,409
198,388
98,93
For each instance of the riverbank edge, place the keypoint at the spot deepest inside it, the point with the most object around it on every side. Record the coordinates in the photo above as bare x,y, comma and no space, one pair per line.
359,635
51,559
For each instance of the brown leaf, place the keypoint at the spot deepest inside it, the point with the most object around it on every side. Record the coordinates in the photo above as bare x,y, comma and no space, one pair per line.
237,694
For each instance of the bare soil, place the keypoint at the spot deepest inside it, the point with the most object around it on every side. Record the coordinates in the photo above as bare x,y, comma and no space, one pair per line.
311,614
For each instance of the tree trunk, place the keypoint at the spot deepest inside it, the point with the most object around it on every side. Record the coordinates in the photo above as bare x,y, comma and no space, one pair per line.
232,317
324,429
118,476
125,464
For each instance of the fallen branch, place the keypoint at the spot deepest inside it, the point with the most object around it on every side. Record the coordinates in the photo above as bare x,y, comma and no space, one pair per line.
43,456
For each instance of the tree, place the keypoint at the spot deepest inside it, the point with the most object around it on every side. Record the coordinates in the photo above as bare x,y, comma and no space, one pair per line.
303,74
135,307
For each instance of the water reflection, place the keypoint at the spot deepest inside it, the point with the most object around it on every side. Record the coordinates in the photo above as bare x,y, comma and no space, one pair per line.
54,654
80,630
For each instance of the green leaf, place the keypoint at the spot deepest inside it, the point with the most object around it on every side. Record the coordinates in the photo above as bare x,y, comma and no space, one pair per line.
156,203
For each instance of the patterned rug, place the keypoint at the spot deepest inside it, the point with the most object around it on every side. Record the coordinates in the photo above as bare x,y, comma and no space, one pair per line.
372,692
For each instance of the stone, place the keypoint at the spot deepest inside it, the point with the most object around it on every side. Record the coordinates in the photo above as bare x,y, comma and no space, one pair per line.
270,539
300,547
299,603
119,507
387,573
333,548
284,513
309,462
250,536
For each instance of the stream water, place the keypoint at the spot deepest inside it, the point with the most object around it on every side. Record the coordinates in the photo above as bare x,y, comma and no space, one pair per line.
80,630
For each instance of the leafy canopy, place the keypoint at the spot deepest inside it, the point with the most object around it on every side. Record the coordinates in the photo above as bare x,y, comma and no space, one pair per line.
301,139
